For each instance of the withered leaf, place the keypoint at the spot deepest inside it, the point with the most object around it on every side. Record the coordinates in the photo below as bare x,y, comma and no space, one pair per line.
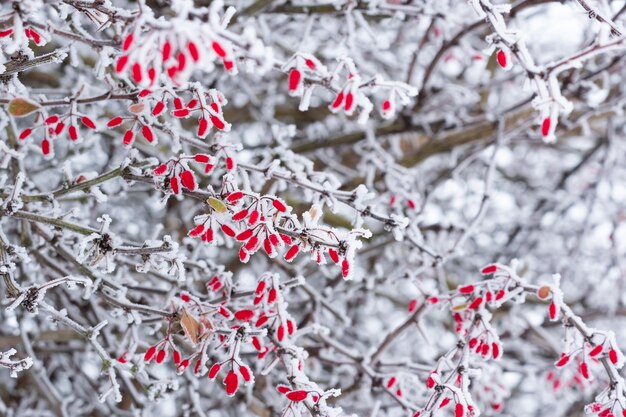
20,107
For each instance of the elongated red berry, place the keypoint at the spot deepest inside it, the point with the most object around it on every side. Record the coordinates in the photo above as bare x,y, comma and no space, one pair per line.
232,383
245,235
563,361
245,373
73,132
160,170
128,42
137,72
294,79
584,370
489,269
180,113
613,356
121,63
271,296
297,396
149,354
345,268
215,369
244,315
88,122
466,289
476,303
552,311
234,196
596,351
203,127
25,133
166,51
240,215
545,126
147,133
338,100
502,59
52,119
217,122
32,34
197,231
219,50
158,108
495,349
174,185
202,158
252,243
45,147
278,205
188,180
349,101
193,51
116,121
59,128
129,136
292,252
182,61
459,410
228,231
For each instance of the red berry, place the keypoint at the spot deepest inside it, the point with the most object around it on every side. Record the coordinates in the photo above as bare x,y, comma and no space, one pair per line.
149,354
501,56
45,147
158,108
129,136
25,133
217,47
459,410
545,126
116,121
292,252
193,51
188,180
127,42
147,133
174,185
297,396
88,122
245,373
294,79
161,354
466,289
563,361
244,315
160,170
203,127
232,383
489,269
73,132
596,351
